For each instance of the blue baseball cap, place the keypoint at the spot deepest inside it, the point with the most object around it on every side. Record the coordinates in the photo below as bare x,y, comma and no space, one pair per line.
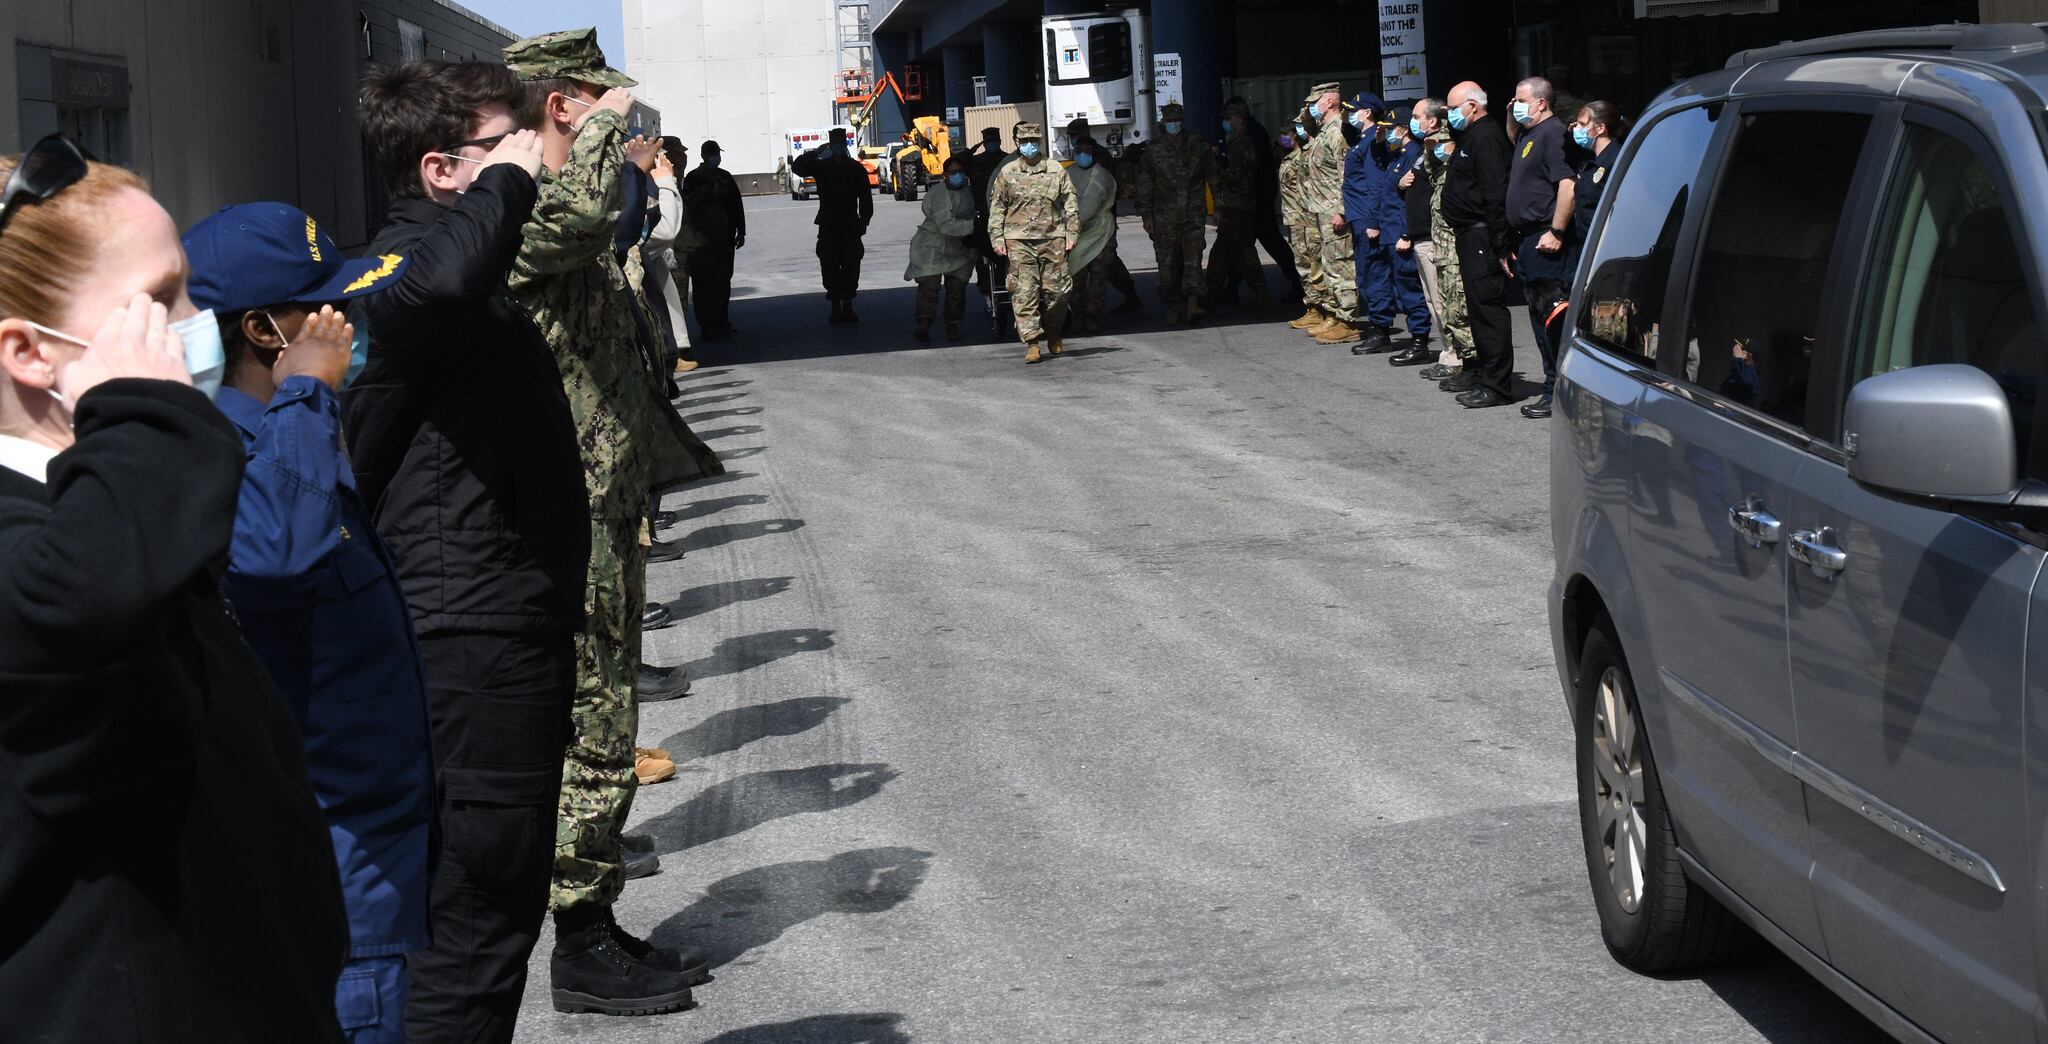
1368,100
259,254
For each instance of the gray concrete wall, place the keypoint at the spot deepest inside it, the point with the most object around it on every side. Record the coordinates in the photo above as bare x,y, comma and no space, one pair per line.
232,101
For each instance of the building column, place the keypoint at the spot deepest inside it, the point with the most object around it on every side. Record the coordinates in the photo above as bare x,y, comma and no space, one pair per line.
963,64
1010,55
1200,31
892,54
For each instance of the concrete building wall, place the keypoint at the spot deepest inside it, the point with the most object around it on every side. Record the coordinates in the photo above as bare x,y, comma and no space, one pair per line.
221,101
738,73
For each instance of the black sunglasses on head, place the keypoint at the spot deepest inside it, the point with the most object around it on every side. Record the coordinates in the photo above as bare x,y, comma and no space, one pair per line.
482,143
52,166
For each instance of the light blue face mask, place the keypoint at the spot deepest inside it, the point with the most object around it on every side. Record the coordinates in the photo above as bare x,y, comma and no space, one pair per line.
1226,128
1358,120
1441,155
1028,150
358,352
1582,137
1173,126
1520,111
1415,125
205,359
1458,119
1085,160
957,180
1300,132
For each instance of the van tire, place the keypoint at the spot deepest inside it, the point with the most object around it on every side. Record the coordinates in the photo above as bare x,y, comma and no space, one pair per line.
1674,926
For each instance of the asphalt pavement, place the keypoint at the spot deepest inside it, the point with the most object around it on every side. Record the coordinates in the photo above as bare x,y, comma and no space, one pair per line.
1192,687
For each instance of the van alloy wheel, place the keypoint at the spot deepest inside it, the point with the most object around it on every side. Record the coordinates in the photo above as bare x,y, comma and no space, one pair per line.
1619,790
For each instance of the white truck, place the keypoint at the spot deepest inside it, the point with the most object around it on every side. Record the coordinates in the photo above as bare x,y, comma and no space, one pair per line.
1099,66
797,142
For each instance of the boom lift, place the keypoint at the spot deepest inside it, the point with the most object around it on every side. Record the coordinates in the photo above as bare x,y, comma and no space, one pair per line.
855,90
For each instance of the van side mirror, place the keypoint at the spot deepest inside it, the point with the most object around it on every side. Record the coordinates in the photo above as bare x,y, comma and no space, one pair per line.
1939,432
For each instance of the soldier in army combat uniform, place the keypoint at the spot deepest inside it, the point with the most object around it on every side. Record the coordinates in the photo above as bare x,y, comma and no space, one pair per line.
1324,185
568,280
1034,220
1172,176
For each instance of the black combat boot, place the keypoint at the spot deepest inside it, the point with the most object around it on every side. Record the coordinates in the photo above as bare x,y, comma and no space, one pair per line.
688,961
592,972
1373,340
838,311
1417,353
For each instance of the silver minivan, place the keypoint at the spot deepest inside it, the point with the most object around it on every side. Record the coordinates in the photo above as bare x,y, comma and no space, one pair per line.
1800,520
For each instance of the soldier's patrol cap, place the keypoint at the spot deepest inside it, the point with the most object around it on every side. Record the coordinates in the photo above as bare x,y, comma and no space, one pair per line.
257,255
1315,93
1171,111
1030,132
571,54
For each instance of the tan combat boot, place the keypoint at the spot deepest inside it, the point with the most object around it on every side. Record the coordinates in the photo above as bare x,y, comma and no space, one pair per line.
1195,310
1031,352
1058,345
684,366
1316,328
1337,333
1308,319
1173,315
651,770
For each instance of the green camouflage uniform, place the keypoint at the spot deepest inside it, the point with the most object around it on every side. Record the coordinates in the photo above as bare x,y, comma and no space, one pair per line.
1236,252
1324,185
1032,208
1450,285
631,442
1308,256
1172,177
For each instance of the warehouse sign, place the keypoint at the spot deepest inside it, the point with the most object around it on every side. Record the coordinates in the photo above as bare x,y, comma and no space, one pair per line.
1403,70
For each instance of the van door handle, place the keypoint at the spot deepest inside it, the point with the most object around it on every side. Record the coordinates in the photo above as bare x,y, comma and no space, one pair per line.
1756,526
1817,549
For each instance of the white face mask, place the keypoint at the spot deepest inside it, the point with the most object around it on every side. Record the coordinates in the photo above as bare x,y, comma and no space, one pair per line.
205,357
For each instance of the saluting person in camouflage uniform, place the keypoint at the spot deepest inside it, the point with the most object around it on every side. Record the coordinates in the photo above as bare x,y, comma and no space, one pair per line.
1176,170
1308,254
1034,220
569,281
1325,190
1236,253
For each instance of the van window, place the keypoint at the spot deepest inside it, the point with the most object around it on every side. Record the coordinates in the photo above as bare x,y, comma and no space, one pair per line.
1946,284
1624,295
1757,288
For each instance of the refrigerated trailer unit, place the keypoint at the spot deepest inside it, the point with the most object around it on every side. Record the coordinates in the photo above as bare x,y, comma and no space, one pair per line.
1099,66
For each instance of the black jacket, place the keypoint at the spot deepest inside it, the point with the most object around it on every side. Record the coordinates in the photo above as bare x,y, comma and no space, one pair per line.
166,874
1476,184
459,429
844,202
715,208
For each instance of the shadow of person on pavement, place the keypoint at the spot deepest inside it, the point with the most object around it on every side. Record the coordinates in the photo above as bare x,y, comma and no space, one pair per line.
699,389
729,730
741,453
878,1027
715,480
710,415
863,1028
1093,349
740,804
726,433
688,403
733,655
701,375
701,508
707,597
752,909
717,536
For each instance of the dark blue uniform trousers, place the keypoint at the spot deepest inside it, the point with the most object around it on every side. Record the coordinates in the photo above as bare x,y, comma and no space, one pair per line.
1388,283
